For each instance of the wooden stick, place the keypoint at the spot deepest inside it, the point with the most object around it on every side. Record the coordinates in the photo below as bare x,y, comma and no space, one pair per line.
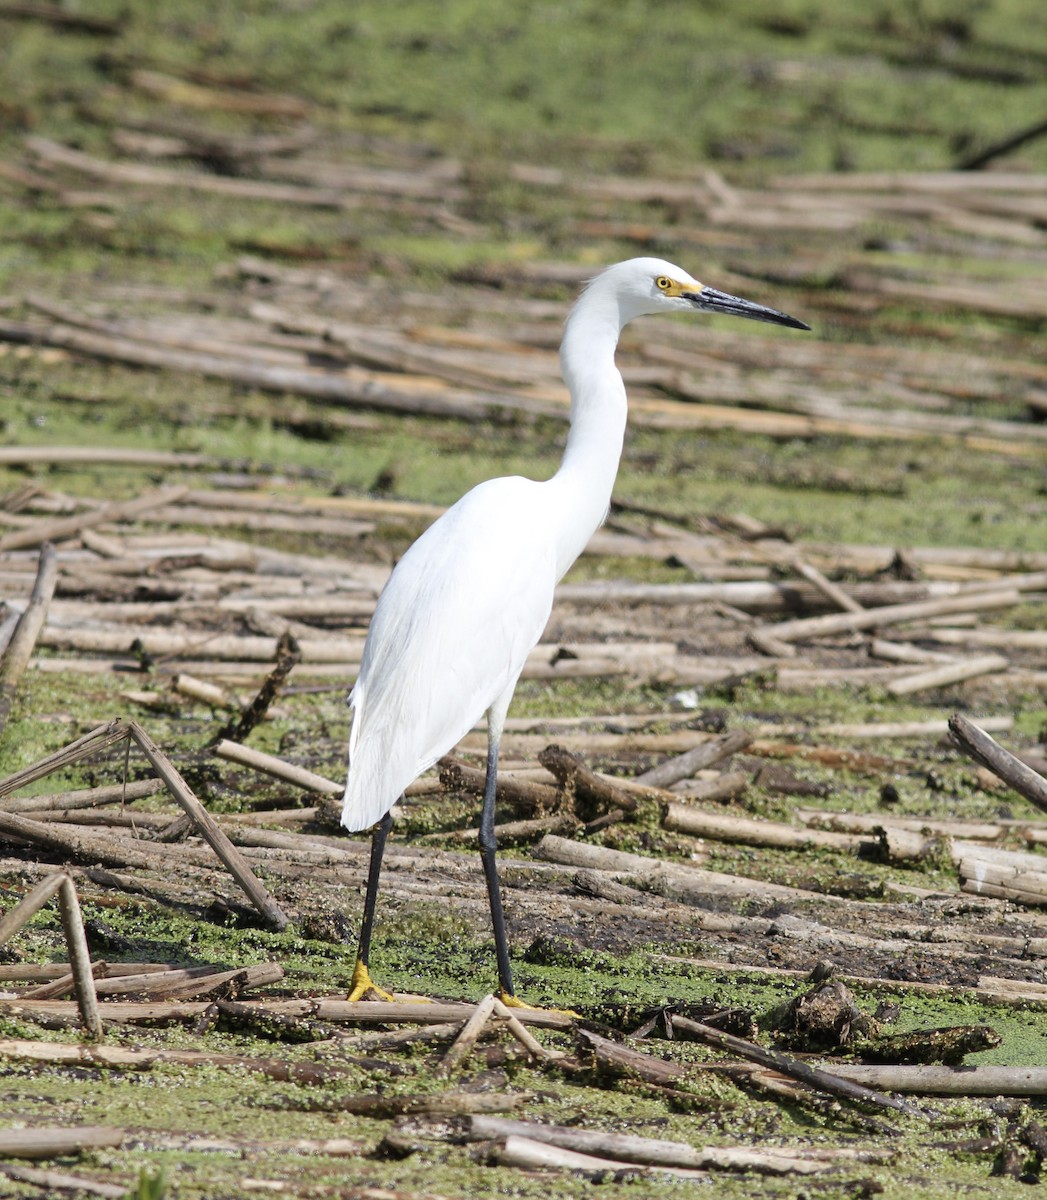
79,957
869,822
826,586
629,1148
43,971
534,1155
522,794
618,1059
134,1058
336,1011
65,527
471,1030
62,1181
893,614
813,1077
82,976
682,818
727,786
56,1142
85,798
527,1040
940,1080
675,879
183,982
288,655
200,689
29,905
216,839
593,794
20,648
704,755
986,750
903,729
590,1141
906,652
99,848
954,672
279,768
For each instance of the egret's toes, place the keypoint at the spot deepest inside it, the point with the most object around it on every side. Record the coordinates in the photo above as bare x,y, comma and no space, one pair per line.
511,1000
364,987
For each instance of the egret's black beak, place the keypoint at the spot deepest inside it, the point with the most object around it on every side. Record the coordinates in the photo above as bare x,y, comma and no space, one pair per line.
710,300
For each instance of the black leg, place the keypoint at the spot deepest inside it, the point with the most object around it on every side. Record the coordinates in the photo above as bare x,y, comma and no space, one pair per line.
362,981
488,846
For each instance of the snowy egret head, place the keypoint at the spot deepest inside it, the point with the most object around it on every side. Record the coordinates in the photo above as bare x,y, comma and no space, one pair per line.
652,285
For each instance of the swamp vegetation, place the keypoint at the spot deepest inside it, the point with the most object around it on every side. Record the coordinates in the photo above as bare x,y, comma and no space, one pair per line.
295,273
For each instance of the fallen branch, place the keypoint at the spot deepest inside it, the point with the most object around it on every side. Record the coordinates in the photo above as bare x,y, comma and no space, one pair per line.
66,527
705,755
954,672
136,1059
671,879
532,1155
892,614
56,1142
940,1080
682,818
82,975
657,1152
279,768
978,745
218,841
62,1181
523,795
813,1077
85,798
466,1039
288,655
593,794
727,786
530,1043
20,648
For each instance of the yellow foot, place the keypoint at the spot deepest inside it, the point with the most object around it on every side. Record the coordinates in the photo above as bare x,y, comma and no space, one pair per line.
364,987
510,1000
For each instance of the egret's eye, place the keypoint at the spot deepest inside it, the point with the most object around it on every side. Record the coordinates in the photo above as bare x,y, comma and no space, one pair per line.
663,283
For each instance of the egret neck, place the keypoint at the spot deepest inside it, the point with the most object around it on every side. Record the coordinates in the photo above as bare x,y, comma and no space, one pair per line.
583,484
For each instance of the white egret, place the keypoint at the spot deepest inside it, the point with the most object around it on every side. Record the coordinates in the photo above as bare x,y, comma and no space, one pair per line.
470,598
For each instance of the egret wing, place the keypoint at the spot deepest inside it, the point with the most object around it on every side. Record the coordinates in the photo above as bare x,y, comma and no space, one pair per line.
450,635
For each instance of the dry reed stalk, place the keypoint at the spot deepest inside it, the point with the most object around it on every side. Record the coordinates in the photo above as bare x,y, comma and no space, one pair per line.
807,627
984,749
66,527
936,1079
82,975
687,764
20,648
948,673
467,1038
681,818
270,764
814,1077
218,841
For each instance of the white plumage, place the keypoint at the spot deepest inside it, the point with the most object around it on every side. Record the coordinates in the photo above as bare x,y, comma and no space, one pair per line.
444,645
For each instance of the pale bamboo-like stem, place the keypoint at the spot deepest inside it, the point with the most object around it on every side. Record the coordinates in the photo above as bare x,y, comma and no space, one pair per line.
20,648
81,975
216,839
471,1031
